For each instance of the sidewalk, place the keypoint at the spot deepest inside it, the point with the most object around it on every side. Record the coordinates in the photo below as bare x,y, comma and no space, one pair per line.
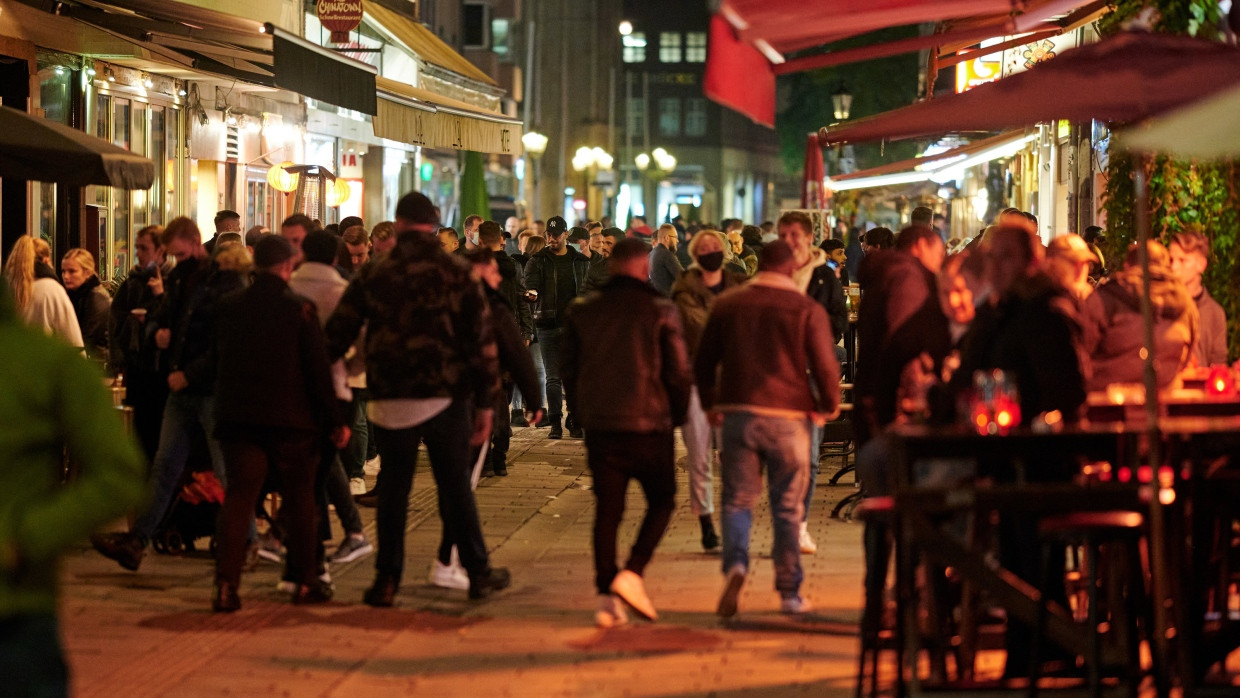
151,633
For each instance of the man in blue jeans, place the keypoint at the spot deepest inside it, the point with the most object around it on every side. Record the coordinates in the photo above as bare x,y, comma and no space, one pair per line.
767,408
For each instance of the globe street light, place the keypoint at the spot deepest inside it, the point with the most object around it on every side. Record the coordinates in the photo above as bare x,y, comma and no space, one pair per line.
655,167
626,28
591,161
535,145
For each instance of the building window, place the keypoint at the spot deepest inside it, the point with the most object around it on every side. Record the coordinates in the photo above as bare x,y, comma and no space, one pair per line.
695,47
695,116
637,116
499,38
669,116
476,25
635,47
669,47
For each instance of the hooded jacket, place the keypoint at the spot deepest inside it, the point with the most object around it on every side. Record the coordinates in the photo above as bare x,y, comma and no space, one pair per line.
1113,330
820,283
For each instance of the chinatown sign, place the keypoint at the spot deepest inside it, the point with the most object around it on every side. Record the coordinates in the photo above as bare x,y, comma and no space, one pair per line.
339,17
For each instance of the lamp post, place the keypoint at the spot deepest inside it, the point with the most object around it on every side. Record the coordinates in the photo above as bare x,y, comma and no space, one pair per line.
535,145
841,103
591,161
655,167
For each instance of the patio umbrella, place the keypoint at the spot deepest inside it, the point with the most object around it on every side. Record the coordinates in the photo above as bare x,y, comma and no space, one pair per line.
33,148
1122,78
815,172
474,198
1206,130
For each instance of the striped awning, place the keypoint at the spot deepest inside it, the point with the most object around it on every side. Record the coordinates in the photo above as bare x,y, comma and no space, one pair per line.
419,117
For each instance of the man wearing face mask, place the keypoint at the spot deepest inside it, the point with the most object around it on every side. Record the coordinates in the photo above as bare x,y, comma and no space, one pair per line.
664,267
694,294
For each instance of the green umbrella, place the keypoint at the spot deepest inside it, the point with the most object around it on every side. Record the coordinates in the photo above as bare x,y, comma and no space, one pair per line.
474,198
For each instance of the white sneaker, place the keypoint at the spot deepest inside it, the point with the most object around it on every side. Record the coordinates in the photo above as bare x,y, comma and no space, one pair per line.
731,592
629,587
794,605
371,467
357,486
610,612
449,576
808,547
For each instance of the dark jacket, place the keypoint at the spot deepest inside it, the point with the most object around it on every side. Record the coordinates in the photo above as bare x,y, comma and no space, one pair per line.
273,368
664,269
1212,338
91,303
189,311
825,288
597,276
1114,330
515,363
129,340
541,276
429,331
764,337
624,363
694,302
900,322
512,288
1033,334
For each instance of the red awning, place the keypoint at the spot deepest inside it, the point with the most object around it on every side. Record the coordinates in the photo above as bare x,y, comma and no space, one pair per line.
749,38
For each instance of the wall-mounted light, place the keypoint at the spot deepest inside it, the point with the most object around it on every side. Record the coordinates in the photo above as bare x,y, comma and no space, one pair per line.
229,117
90,72
147,82
109,74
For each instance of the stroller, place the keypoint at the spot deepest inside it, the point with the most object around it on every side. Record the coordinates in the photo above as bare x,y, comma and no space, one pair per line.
191,516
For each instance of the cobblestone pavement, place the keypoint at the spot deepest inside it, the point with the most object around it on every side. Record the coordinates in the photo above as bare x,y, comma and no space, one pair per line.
151,633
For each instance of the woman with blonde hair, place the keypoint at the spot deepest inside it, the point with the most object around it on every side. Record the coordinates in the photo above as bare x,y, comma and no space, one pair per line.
41,301
91,301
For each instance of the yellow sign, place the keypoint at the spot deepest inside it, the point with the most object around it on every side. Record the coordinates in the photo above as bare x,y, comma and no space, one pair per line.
976,71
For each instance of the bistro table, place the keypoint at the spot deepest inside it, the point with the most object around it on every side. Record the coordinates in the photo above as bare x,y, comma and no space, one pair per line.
1181,642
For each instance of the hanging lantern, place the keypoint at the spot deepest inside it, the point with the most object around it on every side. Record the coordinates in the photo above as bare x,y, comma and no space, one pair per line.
338,192
281,179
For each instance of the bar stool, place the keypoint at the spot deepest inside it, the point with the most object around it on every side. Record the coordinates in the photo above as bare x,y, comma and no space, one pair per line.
1121,533
878,515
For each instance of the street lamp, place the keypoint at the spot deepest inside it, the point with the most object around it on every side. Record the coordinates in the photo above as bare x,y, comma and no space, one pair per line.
591,161
535,145
655,166
626,28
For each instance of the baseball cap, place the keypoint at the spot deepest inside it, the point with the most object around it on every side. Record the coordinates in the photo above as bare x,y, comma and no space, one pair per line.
578,233
556,226
1071,247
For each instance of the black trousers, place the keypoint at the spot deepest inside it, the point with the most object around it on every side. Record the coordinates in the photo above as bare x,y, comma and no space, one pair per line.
615,457
248,457
447,443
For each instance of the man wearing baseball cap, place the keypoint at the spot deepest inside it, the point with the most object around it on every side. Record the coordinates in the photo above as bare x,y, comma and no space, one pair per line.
1068,261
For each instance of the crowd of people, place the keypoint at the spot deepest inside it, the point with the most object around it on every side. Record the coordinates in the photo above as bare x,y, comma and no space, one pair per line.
297,354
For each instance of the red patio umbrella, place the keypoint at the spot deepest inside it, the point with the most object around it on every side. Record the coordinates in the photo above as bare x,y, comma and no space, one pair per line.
1124,78
811,182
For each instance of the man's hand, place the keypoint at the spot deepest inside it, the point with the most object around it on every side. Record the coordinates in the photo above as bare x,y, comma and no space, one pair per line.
156,284
482,427
340,436
533,417
715,418
163,338
177,381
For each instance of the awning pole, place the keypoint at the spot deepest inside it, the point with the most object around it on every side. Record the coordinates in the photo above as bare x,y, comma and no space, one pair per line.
1141,198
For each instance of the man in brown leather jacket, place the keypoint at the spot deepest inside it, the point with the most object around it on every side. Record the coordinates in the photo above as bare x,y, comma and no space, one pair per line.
627,372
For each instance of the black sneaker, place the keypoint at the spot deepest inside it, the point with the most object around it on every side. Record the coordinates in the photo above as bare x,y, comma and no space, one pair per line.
495,579
126,548
382,593
224,598
518,419
557,432
576,432
710,539
544,422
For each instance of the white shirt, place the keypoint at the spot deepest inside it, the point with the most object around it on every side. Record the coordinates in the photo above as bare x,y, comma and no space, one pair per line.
51,309
405,413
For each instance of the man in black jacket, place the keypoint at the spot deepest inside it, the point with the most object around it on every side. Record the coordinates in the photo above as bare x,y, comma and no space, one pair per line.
555,277
626,367
512,279
274,401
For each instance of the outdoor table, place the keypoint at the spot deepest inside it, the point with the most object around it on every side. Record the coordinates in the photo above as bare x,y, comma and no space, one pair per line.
1100,407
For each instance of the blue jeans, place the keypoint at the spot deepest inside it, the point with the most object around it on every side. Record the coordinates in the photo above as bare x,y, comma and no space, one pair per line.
549,345
815,453
31,660
182,414
752,443
353,456
518,400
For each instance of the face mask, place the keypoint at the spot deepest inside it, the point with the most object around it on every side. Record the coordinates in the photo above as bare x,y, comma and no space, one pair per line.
711,261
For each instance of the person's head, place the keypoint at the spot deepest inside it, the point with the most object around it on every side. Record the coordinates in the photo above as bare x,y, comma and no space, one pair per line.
956,286
274,254
512,226
1190,254
234,258
637,221
1014,217
253,235
1068,261
797,231
924,243
778,257
706,249
42,251
148,246
580,237
630,257
1159,257
768,231
556,233
449,240
228,240
593,226
1094,235
835,249
922,215
294,229
608,242
19,270
490,235
483,266
535,244
183,240
472,222
227,221
540,227
735,242
415,212
752,235
357,245
668,236
876,239
1009,257
939,223
596,241
76,267
321,247
350,221
382,237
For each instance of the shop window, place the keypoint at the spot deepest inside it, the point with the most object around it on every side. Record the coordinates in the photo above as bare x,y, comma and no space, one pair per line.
669,116
476,25
695,47
669,47
695,116
635,47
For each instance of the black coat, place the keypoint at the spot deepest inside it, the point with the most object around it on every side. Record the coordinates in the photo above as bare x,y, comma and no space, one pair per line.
512,288
515,363
825,288
92,303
